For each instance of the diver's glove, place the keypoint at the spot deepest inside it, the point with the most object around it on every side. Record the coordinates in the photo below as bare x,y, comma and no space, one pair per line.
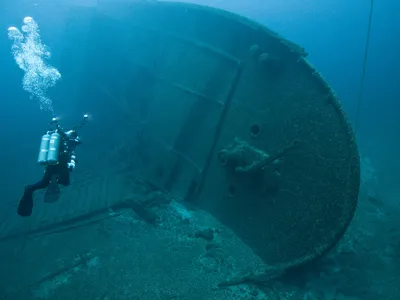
71,164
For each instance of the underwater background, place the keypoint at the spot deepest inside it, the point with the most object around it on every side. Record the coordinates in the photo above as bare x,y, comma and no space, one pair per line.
333,33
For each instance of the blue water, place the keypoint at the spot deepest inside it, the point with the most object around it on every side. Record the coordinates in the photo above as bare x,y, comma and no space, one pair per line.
333,32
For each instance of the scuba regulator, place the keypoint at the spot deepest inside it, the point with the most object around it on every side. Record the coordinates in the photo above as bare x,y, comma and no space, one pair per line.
53,140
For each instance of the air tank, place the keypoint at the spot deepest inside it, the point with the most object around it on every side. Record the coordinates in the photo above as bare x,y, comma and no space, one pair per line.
44,149
54,148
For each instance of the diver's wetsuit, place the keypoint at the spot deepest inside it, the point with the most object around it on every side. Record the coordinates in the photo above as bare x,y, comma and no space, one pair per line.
61,170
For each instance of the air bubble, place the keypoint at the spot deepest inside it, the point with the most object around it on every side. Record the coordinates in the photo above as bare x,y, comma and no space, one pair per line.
29,53
28,20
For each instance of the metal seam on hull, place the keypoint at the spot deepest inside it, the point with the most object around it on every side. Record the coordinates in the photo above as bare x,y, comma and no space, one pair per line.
218,129
191,92
173,84
186,158
245,21
195,43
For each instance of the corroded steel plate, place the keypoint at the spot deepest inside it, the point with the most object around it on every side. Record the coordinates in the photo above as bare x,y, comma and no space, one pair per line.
225,115
255,134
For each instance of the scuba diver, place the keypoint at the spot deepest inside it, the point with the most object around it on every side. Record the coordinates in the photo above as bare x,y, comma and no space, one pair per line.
57,154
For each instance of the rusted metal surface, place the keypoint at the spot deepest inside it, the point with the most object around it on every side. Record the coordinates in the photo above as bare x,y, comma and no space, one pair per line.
225,115
291,204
